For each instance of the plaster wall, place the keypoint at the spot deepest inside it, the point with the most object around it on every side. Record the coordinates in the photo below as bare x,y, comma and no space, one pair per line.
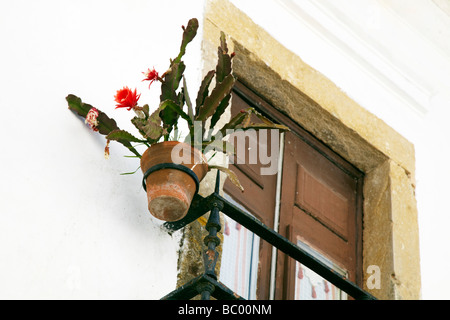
72,227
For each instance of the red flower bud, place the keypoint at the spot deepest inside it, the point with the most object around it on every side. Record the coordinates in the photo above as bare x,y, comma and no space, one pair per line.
107,149
91,119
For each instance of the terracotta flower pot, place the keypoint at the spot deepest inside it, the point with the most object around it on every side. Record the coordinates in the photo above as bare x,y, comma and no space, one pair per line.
170,190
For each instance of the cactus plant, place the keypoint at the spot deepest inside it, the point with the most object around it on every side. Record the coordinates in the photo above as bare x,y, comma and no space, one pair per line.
175,104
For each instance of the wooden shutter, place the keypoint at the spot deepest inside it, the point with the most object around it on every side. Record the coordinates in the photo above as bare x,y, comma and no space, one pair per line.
320,206
258,198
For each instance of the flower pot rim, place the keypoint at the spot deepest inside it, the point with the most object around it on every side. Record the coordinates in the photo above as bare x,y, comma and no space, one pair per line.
173,142
203,157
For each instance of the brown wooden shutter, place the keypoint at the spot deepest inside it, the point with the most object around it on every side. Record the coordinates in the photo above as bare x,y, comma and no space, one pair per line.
320,206
258,198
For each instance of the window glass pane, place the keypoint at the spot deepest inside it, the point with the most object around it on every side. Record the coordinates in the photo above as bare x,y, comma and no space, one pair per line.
240,255
310,286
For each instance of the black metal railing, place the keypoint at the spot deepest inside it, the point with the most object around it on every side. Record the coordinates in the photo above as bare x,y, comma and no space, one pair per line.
207,285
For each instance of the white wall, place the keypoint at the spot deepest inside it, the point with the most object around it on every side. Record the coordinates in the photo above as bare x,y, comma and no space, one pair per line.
70,225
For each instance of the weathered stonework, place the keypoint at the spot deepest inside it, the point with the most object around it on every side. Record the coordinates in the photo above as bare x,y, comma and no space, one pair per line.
404,231
377,216
390,228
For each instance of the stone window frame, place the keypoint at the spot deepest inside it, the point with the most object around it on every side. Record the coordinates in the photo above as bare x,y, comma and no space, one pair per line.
390,224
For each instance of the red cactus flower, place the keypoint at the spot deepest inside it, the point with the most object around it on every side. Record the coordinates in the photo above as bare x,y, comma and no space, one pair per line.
91,119
126,98
151,75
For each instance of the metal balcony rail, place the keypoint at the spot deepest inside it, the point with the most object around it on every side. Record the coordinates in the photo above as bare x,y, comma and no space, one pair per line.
207,285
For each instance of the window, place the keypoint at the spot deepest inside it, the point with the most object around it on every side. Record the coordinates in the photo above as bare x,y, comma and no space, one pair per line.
240,257
316,202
